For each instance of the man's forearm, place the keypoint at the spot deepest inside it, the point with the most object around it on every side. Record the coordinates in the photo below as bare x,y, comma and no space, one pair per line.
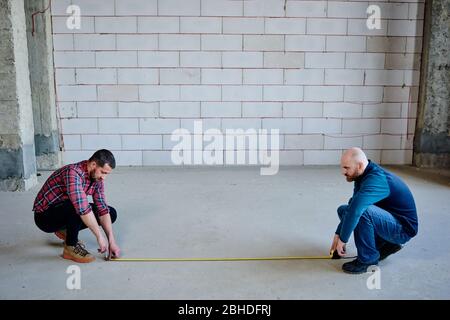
90,221
106,223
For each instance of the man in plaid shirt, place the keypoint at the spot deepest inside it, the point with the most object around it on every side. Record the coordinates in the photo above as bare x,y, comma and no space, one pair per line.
62,206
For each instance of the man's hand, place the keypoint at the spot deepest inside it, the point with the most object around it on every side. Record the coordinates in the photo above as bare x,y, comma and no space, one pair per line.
334,243
337,246
114,250
340,248
90,221
102,244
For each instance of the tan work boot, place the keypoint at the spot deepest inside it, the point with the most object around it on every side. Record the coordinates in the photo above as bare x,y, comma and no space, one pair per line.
77,253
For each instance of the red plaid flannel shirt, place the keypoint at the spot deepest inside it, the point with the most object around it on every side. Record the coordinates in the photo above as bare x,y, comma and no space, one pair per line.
72,182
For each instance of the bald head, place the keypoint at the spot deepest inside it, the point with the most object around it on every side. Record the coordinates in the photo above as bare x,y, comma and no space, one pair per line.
355,154
353,163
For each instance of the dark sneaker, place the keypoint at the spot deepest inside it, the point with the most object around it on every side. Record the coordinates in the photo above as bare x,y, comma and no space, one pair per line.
388,249
77,253
356,267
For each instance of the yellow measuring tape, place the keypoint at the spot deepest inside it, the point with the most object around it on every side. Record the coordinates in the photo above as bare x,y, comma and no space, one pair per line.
220,259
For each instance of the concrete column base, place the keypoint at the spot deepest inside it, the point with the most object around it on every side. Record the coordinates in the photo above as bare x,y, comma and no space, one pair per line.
18,184
51,161
432,160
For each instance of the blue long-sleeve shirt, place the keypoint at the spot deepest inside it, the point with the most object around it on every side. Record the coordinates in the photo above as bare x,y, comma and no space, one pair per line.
379,187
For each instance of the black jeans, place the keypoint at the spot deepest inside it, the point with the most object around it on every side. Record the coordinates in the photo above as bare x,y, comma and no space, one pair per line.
63,216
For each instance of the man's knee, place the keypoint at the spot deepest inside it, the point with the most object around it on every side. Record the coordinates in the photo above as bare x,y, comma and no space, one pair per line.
366,216
369,212
113,214
342,210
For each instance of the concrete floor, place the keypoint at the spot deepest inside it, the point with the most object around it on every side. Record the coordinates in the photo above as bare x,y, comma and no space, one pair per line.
226,212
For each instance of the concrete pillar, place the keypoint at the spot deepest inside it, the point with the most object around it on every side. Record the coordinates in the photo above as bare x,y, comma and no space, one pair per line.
17,154
432,137
40,62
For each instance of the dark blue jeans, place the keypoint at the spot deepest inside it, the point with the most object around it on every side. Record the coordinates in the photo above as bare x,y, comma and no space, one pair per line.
375,227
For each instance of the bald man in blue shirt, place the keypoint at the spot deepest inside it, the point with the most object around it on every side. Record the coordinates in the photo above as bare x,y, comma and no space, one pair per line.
381,213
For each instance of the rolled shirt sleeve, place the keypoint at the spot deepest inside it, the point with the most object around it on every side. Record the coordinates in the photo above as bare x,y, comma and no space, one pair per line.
338,229
372,190
99,199
74,185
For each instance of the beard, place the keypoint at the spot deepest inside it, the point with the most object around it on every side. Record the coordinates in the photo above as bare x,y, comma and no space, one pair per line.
349,179
92,176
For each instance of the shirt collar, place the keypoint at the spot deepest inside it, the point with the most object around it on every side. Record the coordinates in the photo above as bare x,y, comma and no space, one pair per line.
83,166
369,168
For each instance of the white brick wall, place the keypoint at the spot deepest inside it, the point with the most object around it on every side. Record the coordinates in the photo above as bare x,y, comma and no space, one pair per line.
322,157
74,93
201,59
327,26
306,8
158,24
65,76
221,76
242,59
242,93
343,142
117,93
324,60
312,125
94,41
138,109
142,142
284,60
96,109
120,126
115,24
72,142
324,93
303,142
284,25
179,8
179,76
96,76
179,109
138,69
221,42
95,142
137,76
243,25
159,93
261,110
136,7
304,76
305,43
302,109
342,110
286,126
137,42
221,110
157,59
158,126
346,43
264,8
